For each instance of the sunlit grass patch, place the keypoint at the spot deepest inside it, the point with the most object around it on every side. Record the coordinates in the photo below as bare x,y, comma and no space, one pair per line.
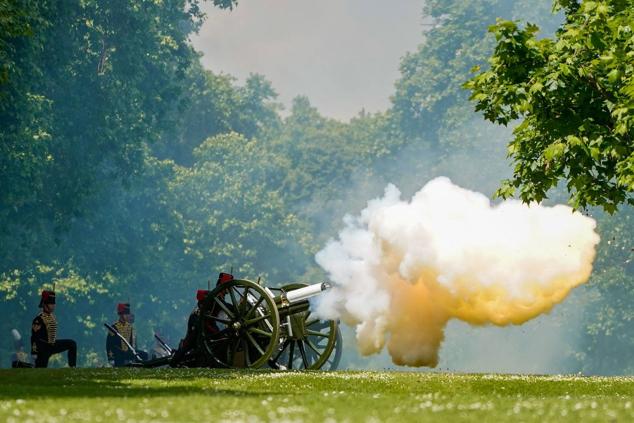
135,395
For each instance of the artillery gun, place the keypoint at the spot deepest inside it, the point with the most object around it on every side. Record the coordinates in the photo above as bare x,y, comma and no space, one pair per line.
244,324
247,325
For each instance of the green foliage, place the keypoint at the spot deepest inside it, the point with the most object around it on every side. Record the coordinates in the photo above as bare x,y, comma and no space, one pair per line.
431,78
321,154
78,59
232,217
25,135
212,104
324,165
575,97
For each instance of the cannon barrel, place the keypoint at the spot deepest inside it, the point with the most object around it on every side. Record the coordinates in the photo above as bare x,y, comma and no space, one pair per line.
296,301
295,296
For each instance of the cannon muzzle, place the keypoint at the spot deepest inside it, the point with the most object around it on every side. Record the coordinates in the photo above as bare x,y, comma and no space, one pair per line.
298,295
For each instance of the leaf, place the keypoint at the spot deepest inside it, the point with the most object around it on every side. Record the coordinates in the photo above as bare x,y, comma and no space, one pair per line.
614,75
628,90
536,87
596,41
506,190
574,141
554,151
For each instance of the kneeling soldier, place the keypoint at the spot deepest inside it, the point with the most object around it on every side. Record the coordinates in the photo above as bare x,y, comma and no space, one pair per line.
118,352
44,342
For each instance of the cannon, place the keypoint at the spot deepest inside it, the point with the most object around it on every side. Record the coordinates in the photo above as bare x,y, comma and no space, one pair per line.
244,324
247,325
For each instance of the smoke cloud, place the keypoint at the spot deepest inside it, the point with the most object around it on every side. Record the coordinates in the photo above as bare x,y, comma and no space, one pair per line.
402,269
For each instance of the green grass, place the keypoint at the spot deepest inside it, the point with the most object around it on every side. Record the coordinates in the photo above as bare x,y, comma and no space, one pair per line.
108,395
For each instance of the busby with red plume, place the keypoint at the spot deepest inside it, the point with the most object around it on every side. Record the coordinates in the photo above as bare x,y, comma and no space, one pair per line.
201,294
48,297
224,278
123,308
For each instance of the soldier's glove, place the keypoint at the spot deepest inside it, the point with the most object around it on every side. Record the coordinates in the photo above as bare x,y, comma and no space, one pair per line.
111,363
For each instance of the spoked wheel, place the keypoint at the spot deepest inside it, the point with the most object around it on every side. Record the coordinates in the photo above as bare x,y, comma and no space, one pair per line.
306,342
239,325
335,357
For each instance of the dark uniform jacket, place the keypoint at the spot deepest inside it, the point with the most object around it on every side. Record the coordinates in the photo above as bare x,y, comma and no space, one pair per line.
188,343
114,345
193,324
43,332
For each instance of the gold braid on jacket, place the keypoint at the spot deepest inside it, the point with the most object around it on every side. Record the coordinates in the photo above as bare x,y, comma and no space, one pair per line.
51,326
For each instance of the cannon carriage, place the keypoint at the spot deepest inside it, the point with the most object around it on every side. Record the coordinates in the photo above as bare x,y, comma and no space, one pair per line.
243,324
247,325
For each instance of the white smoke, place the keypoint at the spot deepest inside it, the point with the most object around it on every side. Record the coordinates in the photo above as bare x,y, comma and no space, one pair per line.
402,269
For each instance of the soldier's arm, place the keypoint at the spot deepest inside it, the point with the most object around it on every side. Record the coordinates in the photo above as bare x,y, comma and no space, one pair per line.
39,332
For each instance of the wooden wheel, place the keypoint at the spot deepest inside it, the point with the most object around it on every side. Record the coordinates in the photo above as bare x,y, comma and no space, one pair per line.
239,325
306,342
335,357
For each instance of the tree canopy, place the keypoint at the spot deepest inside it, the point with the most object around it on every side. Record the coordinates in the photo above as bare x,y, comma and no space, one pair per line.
574,98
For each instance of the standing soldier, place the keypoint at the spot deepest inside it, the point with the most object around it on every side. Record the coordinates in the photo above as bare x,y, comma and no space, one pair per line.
118,352
44,342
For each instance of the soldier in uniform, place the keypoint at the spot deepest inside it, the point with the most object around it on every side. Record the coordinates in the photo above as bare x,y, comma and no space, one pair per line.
44,342
188,343
118,352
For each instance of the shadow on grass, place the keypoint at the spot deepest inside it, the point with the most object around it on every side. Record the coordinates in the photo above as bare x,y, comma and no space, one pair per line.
95,383
136,383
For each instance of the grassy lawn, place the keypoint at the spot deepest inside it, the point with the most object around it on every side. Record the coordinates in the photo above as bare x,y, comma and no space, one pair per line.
136,395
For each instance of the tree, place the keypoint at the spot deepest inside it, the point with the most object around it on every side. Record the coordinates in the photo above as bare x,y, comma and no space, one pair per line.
211,105
233,217
428,101
24,122
85,87
574,95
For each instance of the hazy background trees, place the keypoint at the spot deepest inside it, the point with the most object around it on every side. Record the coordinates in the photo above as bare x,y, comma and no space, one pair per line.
129,172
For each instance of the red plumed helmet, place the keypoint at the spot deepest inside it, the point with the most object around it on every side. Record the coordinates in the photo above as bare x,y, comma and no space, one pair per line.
123,308
224,277
201,294
48,297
